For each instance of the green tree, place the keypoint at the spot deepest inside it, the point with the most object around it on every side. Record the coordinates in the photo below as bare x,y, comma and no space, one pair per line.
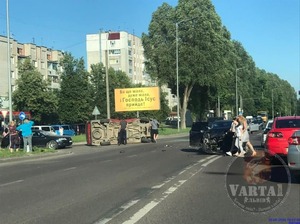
75,96
203,47
33,94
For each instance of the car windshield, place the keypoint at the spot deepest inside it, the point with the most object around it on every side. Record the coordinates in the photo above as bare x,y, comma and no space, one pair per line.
221,125
291,123
199,126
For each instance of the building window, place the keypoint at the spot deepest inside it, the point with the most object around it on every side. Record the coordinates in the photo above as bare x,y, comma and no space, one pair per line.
115,51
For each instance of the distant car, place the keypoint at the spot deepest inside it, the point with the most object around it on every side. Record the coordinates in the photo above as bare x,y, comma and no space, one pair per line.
253,125
277,138
196,133
67,129
293,156
43,139
265,132
45,128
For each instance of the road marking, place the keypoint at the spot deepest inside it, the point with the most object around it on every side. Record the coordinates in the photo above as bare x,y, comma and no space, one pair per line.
71,168
10,183
210,161
148,207
123,208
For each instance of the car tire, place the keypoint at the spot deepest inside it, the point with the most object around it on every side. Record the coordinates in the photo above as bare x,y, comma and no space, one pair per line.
52,144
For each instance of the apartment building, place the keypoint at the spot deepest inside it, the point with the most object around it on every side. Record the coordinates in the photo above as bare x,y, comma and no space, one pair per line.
119,50
44,59
125,52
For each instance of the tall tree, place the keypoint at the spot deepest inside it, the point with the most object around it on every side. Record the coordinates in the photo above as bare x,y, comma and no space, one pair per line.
75,96
202,45
33,94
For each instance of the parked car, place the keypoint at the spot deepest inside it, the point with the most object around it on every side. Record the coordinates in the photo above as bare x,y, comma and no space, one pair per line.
214,136
45,128
293,156
43,139
277,138
265,132
196,133
67,129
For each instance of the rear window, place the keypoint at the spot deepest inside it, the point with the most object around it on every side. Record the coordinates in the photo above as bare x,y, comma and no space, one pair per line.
293,123
197,126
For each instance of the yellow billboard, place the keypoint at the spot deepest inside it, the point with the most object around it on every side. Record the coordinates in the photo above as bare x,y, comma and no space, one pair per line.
137,99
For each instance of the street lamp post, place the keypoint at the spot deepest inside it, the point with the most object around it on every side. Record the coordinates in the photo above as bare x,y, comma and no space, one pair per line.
236,92
177,69
8,64
177,83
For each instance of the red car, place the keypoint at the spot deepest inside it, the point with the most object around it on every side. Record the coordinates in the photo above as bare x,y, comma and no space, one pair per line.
277,138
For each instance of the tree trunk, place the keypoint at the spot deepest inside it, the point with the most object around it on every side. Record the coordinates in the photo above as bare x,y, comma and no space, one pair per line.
185,101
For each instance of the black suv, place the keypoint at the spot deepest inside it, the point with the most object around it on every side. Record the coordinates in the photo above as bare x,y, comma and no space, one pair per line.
196,133
211,138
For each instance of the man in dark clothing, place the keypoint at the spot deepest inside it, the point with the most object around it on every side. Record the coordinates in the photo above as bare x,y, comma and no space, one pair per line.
122,139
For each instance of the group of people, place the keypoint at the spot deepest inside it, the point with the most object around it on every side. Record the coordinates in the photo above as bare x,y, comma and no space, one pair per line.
241,140
13,130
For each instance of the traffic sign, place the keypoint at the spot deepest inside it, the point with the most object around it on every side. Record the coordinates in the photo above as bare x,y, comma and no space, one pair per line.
96,111
22,115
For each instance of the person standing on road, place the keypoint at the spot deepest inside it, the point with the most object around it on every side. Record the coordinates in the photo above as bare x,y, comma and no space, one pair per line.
154,129
245,134
26,133
14,137
122,133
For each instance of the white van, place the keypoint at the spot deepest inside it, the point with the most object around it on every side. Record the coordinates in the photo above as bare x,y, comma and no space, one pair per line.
46,128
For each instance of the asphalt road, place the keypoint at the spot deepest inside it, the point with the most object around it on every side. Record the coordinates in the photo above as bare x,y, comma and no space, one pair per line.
165,182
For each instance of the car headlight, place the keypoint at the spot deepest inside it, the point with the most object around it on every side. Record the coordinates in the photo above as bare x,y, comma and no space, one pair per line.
61,139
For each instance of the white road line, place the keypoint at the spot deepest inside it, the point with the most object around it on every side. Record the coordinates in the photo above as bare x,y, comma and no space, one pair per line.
210,161
143,211
10,183
123,208
71,168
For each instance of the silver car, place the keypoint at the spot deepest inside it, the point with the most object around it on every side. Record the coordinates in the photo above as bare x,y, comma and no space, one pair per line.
253,125
265,132
293,156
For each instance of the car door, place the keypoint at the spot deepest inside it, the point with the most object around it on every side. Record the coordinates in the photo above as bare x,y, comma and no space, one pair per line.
38,139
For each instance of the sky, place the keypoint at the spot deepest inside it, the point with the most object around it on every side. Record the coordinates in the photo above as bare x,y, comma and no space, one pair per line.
268,29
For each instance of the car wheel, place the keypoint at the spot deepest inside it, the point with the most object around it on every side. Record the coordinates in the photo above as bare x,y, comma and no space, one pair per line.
52,144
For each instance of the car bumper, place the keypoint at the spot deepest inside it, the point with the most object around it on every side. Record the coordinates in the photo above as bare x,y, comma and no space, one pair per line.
293,158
